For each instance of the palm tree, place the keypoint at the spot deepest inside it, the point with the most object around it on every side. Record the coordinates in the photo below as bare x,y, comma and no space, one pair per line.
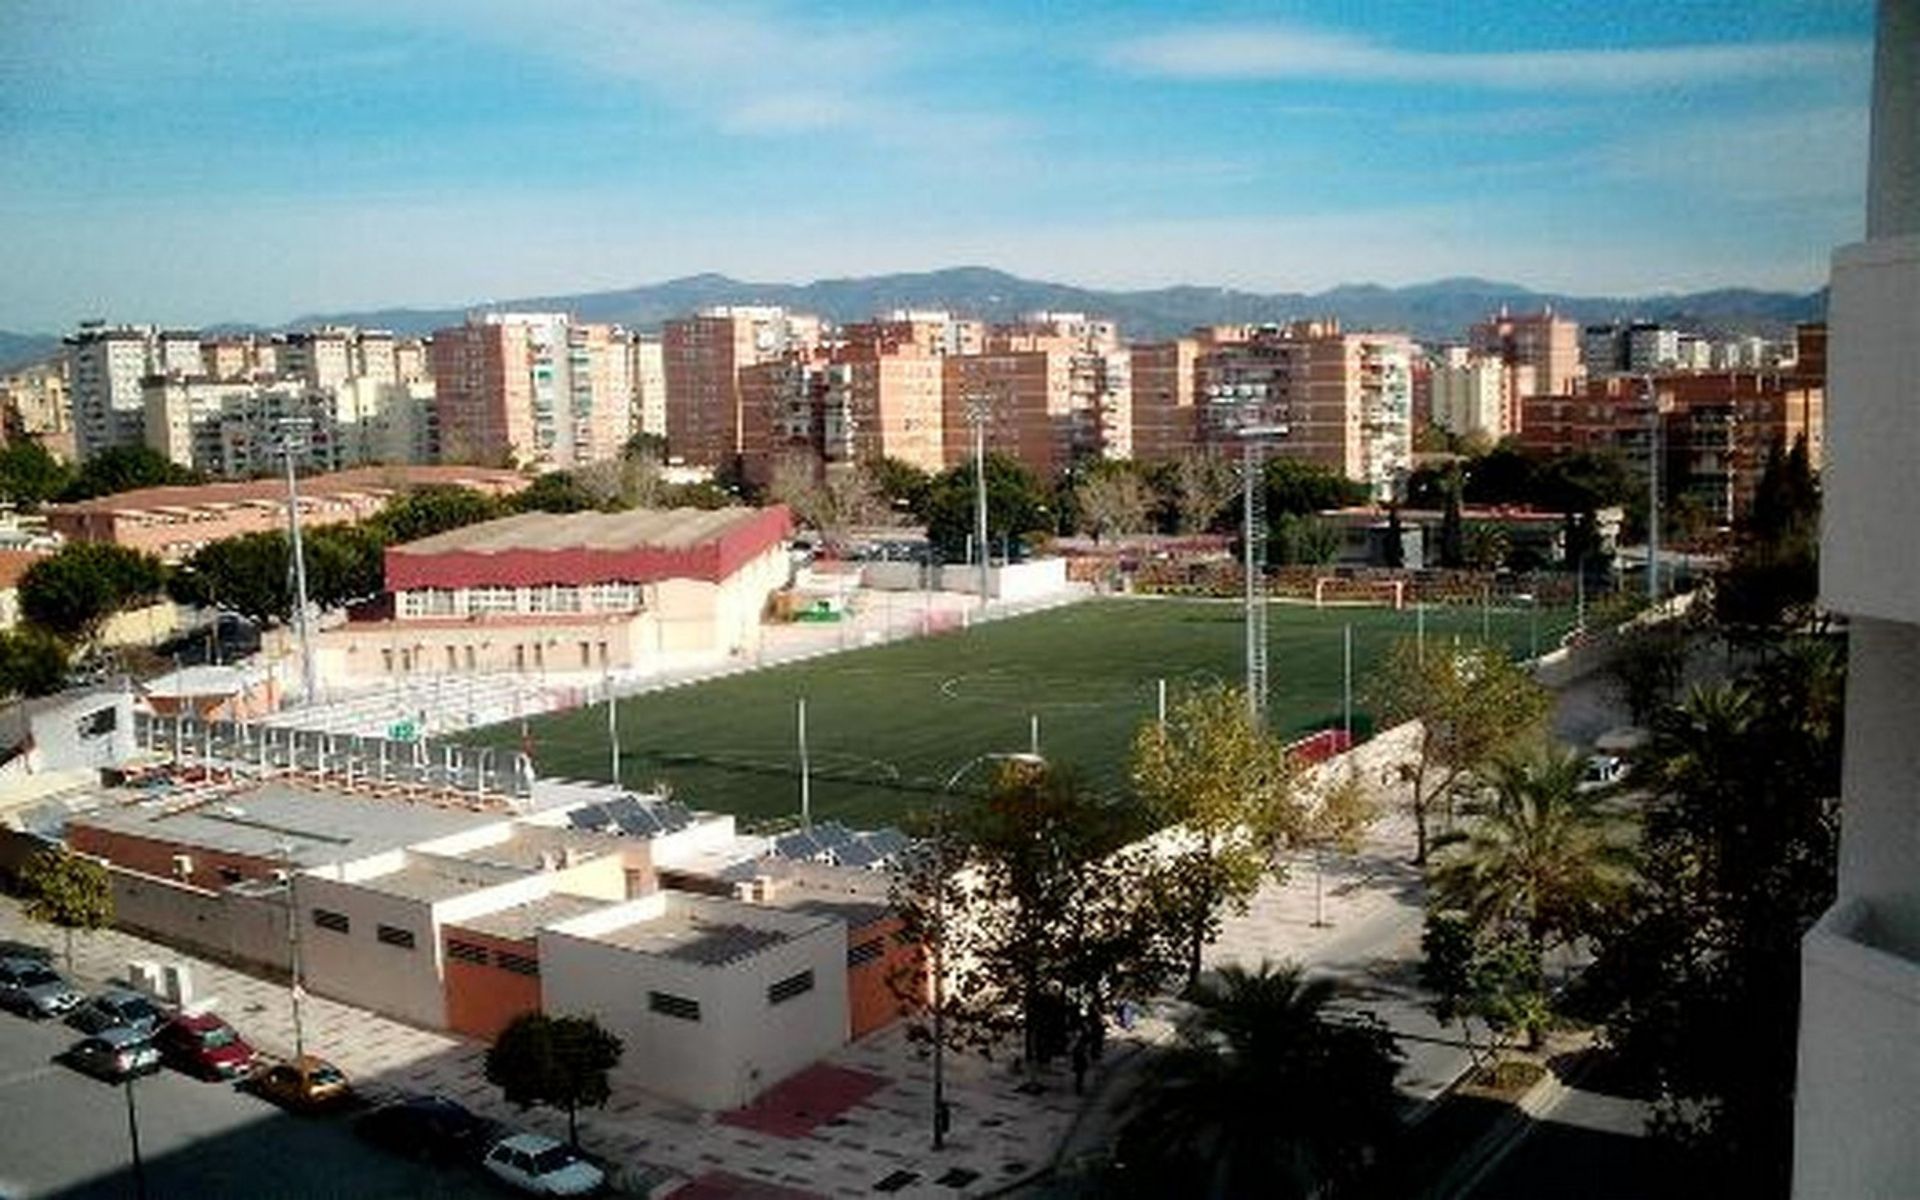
1265,1094
1543,860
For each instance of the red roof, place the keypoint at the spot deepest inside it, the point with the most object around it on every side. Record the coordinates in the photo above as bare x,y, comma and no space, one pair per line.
14,564
641,546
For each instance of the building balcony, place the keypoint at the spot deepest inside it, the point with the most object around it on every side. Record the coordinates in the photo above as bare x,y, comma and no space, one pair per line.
1859,1081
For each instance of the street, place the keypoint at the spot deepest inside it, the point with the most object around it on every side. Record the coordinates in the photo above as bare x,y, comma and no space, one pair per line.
66,1136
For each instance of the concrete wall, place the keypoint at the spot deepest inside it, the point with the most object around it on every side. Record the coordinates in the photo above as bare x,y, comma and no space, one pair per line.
155,856
78,732
1012,581
243,930
356,967
741,1045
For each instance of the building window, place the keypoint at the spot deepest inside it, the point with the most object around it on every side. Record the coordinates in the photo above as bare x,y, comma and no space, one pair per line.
469,658
337,922
386,661
467,952
586,655
453,662
791,986
865,952
392,936
519,964
670,1005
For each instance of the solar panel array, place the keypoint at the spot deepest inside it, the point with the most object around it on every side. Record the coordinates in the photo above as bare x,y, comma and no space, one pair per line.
629,816
833,843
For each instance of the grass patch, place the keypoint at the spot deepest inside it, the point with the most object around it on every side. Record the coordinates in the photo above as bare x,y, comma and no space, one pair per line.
888,724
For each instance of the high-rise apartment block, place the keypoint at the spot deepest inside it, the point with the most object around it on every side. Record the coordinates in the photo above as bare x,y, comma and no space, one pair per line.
1164,421
531,388
703,357
1345,400
33,407
106,367
1478,396
1548,344
649,386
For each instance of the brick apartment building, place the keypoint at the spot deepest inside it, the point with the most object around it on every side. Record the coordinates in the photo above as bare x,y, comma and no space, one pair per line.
538,389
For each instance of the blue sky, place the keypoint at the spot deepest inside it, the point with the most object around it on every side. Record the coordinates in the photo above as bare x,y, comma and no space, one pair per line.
203,160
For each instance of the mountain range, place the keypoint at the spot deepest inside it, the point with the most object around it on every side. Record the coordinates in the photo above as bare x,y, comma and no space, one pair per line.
1441,310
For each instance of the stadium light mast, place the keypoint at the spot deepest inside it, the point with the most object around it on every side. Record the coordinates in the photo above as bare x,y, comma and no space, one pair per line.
1653,489
293,435
977,413
1253,544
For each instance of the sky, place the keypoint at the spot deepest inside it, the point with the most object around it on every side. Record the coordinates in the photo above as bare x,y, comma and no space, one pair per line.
196,161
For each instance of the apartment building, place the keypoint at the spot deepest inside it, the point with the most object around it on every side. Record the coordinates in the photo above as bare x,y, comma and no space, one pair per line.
649,371
537,389
106,368
1477,395
935,332
34,407
1164,419
1344,399
1548,344
702,358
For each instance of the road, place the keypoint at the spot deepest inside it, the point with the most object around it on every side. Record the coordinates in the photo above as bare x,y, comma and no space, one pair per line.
65,1135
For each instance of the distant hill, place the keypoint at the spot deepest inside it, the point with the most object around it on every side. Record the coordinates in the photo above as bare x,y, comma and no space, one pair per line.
20,349
1439,310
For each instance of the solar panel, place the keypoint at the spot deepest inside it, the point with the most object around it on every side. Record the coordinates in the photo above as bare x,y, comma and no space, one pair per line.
857,854
589,816
673,815
886,842
638,821
799,845
832,834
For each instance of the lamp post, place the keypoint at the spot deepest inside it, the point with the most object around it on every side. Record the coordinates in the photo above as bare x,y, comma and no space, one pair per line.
294,986
940,1119
293,437
133,1136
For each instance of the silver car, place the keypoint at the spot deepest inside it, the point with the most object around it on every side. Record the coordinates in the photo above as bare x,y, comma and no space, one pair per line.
30,986
117,1008
114,1054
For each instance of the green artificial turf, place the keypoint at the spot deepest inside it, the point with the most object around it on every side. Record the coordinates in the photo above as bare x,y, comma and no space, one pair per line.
888,724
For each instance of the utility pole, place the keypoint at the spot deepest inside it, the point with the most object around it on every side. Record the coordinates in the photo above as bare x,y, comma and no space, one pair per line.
1653,490
294,986
292,436
806,781
1253,541
613,729
133,1136
977,412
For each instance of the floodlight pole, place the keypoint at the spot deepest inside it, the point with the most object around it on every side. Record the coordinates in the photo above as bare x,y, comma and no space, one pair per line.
294,985
133,1137
806,782
1653,490
977,417
291,430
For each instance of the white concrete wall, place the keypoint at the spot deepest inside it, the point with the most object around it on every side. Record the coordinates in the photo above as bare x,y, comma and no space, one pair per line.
740,1046
1015,581
358,968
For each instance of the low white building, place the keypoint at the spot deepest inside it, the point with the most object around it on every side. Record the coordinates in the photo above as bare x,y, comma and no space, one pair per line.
716,1000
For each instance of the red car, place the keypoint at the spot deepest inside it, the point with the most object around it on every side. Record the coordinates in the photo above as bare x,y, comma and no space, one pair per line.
202,1044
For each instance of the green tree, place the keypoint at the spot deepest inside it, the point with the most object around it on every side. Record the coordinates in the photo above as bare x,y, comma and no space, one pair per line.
1395,551
30,476
1702,971
1504,475
1015,500
66,891
1265,1094
1472,703
1300,487
124,468
437,508
1648,666
555,492
1203,483
1772,583
1041,915
1541,865
1453,550
1474,974
246,574
73,592
559,1062
32,662
1222,778
902,486
645,447
1485,545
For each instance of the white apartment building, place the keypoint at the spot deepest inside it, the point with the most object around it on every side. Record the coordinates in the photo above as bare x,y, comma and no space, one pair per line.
649,372
1474,398
107,366
1857,1095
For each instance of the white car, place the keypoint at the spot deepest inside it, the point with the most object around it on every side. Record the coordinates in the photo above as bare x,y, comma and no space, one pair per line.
541,1166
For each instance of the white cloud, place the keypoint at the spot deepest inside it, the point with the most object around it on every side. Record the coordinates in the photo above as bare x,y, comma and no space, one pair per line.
1277,51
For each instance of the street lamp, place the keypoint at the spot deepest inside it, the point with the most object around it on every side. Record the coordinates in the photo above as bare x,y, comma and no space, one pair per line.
940,1118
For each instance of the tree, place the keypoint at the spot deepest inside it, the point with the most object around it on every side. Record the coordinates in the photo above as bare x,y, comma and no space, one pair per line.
67,891
30,476
1203,483
246,574
1472,703
833,499
32,663
1015,500
901,485
1648,665
1265,1094
1113,500
1453,551
1539,866
125,468
1040,915
73,592
1504,475
1486,975
1739,846
1219,775
1395,551
560,1062
436,508
555,492
1485,545
1772,583
1302,488
645,447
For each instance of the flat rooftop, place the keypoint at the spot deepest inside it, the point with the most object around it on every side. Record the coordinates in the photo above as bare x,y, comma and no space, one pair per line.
538,847
521,921
708,932
667,528
318,826
431,878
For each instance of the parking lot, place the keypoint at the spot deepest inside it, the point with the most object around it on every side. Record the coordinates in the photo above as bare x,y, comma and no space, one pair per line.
66,1135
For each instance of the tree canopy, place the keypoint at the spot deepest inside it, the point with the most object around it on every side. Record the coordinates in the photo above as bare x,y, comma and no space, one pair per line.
1772,582
30,475
67,891
72,593
559,1062
1017,504
33,662
124,468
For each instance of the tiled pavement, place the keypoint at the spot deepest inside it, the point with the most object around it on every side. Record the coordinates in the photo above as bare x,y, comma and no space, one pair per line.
1005,1126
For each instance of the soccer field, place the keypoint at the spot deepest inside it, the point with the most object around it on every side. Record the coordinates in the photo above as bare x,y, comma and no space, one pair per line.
888,724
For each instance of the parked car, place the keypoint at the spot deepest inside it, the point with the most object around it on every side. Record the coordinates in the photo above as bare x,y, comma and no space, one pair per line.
117,1008
33,988
541,1166
113,1054
305,1084
429,1127
204,1045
